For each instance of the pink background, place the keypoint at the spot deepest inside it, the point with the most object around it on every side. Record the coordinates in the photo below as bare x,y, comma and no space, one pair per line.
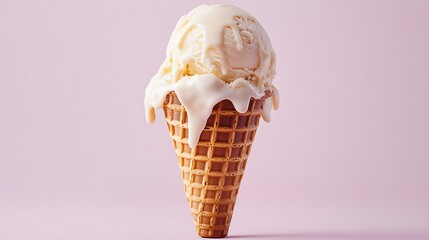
345,157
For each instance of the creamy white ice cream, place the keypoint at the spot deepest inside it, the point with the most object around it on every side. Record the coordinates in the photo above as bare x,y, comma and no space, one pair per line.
215,53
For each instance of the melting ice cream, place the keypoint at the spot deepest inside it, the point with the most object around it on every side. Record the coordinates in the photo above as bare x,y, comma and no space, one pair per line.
215,53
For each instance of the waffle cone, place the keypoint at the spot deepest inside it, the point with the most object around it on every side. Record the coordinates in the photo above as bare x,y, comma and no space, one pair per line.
212,171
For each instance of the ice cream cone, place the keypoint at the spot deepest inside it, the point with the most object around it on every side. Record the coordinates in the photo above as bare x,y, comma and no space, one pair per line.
212,171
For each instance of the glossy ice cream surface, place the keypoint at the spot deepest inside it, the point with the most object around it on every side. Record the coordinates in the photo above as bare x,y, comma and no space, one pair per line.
215,53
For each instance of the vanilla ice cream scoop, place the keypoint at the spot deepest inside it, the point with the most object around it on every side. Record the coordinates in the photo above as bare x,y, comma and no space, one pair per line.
215,53
223,40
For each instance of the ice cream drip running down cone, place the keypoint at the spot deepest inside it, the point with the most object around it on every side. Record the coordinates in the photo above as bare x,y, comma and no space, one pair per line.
213,87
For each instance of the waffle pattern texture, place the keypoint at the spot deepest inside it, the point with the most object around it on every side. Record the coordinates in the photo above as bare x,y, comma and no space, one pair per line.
212,171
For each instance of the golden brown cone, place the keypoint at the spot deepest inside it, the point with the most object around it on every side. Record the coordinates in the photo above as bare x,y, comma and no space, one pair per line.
212,171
